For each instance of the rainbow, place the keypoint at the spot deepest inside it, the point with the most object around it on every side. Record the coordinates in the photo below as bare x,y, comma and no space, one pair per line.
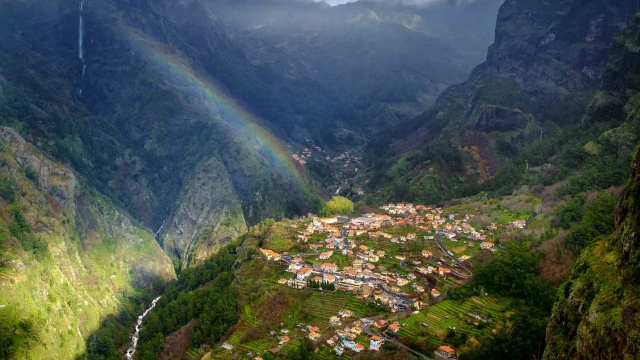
183,75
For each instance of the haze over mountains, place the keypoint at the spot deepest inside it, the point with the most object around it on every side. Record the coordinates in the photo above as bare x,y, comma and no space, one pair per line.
125,111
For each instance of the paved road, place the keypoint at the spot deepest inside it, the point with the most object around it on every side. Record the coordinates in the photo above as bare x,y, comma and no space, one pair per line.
452,257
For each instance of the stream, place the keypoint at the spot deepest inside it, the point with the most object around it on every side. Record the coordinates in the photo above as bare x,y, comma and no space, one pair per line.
136,334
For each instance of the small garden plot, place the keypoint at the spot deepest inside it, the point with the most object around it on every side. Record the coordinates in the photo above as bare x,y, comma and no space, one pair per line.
4,274
323,306
251,318
274,273
259,346
193,353
290,347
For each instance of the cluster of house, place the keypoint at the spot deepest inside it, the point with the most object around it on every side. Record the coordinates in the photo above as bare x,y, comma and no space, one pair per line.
429,218
347,337
347,158
361,277
320,226
302,159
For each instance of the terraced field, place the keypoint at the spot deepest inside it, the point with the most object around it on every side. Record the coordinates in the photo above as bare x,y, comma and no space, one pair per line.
4,274
257,347
322,306
247,322
193,353
251,318
452,314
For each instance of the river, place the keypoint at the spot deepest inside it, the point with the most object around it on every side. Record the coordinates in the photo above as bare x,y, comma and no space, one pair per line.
136,334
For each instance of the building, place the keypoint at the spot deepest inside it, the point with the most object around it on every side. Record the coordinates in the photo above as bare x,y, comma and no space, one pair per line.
435,292
326,255
427,253
487,245
375,343
445,352
329,278
329,267
304,273
270,255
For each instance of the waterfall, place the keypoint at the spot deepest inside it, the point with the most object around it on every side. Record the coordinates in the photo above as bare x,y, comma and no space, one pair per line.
136,334
157,235
80,43
81,33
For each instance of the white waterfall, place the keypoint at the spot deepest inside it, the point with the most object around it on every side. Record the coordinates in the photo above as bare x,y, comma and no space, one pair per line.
157,235
81,33
80,47
136,334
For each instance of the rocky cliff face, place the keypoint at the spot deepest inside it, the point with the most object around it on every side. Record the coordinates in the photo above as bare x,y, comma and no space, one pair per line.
68,258
209,214
548,60
136,116
598,313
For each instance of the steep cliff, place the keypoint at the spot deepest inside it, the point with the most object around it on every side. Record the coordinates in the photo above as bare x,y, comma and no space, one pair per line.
598,313
68,257
209,199
141,110
548,60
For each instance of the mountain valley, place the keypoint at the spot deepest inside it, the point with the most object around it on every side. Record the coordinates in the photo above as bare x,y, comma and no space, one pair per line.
285,179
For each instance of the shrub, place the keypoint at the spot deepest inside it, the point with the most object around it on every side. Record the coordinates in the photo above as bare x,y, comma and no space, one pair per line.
8,189
31,174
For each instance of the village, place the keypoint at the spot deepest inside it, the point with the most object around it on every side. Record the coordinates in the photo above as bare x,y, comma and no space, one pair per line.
403,258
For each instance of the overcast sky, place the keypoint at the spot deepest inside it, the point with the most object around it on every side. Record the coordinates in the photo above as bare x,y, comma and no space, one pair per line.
411,2
337,2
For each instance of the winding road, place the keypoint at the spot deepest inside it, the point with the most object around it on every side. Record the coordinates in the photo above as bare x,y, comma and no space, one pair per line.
454,258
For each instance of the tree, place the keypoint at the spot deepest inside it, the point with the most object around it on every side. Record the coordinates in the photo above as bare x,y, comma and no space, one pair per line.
338,205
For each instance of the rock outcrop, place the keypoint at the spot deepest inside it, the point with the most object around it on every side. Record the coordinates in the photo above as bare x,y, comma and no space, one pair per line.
209,214
598,313
68,257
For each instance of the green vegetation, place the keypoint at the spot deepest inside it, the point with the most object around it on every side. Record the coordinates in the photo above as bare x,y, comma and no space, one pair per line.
429,329
338,205
513,273
594,222
214,307
18,335
315,284
595,316
69,261
31,174
8,189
